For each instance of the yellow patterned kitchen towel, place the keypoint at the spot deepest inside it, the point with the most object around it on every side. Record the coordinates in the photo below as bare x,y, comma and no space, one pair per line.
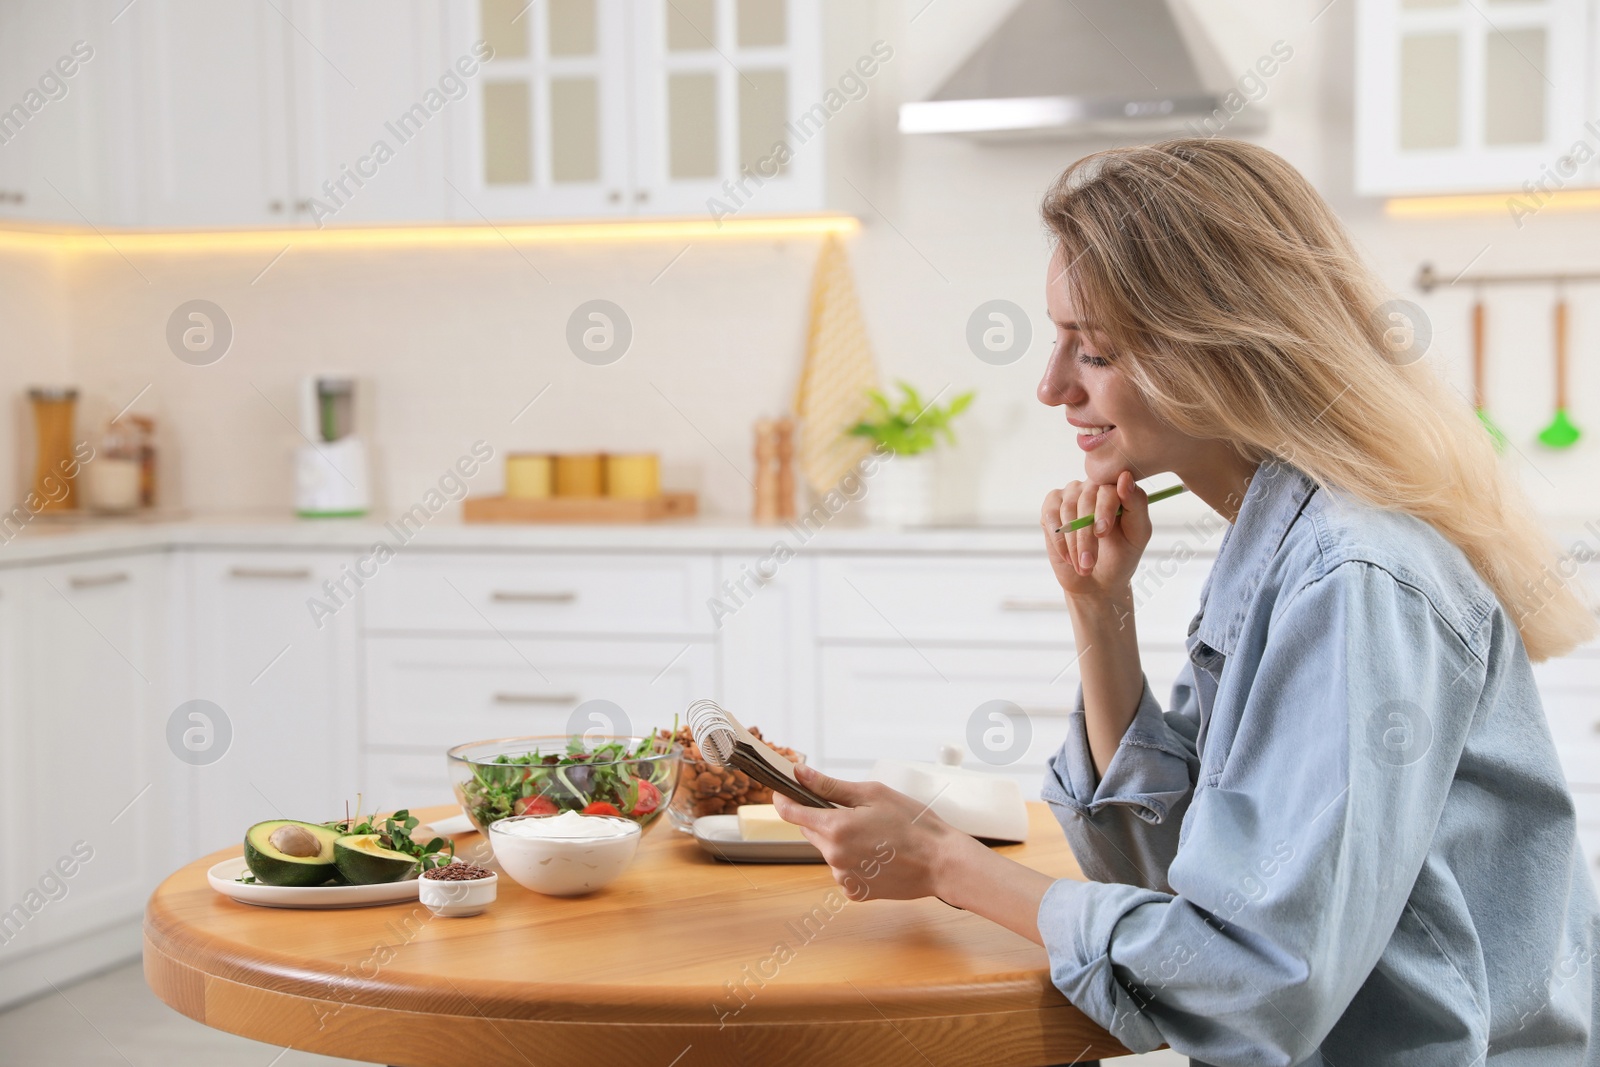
838,371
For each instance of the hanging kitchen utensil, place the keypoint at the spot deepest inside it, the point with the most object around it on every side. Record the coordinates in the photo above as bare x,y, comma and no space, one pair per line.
1561,433
1479,374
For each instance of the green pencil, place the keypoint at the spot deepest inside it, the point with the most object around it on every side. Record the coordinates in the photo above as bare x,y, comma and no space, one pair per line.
1088,520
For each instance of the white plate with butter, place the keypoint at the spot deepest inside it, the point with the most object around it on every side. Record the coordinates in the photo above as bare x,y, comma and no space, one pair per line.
720,836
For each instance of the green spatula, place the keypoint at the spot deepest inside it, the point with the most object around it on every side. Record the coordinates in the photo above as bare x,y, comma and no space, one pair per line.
1561,433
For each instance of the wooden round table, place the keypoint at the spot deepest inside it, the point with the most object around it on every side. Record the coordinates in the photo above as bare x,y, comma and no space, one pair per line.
684,961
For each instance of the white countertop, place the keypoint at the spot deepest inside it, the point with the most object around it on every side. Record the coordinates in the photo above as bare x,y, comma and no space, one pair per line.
47,538
51,539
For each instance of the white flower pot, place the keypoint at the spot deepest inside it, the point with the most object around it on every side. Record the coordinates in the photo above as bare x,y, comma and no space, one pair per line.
901,491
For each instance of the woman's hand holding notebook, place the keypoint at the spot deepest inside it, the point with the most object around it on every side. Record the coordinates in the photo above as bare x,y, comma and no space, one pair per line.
725,742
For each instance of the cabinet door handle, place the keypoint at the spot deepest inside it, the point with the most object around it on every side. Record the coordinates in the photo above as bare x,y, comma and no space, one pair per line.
1017,603
641,196
536,698
287,574
92,581
614,196
512,596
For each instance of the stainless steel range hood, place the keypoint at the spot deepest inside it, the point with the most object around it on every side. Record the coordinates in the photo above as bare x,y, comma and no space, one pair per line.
1083,67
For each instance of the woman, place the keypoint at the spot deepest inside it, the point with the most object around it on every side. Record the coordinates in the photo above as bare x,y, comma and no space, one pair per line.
1348,840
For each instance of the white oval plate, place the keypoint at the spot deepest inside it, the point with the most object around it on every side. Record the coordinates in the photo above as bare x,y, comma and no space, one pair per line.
719,835
223,878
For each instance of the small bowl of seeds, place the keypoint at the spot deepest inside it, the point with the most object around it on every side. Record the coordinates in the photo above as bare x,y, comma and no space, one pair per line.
458,889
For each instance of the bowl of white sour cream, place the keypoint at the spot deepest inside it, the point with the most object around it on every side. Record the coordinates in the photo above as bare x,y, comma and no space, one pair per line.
564,855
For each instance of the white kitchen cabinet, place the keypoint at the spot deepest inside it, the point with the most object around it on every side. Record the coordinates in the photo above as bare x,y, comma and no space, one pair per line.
405,779
272,113
286,686
59,142
766,636
90,789
437,692
426,695
336,112
1451,98
545,131
548,593
369,85
214,115
912,647
13,758
616,107
729,110
972,598
907,702
464,646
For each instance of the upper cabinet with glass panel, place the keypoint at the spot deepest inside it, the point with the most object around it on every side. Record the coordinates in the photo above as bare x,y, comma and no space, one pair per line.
600,107
725,96
1470,95
547,134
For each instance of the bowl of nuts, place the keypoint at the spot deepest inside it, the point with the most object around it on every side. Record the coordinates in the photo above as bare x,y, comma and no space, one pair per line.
706,789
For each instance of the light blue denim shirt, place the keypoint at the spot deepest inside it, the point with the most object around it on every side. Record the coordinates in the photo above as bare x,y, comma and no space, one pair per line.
1349,841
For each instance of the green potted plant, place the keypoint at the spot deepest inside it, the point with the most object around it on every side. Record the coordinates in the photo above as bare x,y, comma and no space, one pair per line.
902,491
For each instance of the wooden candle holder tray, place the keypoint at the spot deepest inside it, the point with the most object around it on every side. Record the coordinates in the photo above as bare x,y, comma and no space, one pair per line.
579,509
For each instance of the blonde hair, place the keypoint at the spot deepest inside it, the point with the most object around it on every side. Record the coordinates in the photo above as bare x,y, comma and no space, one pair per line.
1233,299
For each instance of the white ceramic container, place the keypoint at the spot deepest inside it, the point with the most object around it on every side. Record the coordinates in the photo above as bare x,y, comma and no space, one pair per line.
565,866
457,900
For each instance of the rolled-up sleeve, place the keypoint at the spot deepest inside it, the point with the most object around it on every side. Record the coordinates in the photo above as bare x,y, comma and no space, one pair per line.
1124,826
1298,858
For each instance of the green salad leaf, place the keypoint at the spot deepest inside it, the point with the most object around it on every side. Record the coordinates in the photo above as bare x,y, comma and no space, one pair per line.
394,832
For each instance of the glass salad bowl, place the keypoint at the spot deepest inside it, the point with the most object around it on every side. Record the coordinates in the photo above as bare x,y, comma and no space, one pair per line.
631,777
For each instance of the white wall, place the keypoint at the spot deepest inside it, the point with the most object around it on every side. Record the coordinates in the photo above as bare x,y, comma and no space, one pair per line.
453,343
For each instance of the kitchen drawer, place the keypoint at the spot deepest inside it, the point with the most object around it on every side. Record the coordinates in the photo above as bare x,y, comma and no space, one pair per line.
894,703
976,598
444,691
546,594
1569,688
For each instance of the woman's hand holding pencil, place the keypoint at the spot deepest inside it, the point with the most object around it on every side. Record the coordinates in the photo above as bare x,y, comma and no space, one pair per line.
1095,535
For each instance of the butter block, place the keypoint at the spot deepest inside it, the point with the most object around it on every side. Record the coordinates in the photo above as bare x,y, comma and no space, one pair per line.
760,822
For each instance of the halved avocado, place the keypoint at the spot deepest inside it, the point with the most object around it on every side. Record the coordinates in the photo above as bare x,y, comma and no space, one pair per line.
363,860
286,852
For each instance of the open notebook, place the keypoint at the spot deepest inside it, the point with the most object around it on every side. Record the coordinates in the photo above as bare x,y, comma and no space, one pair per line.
725,742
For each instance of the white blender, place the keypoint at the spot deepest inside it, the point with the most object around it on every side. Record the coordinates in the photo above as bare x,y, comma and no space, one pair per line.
330,473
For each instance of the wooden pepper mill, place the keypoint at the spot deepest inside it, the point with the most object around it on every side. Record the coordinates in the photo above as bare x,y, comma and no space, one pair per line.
774,454
785,433
766,504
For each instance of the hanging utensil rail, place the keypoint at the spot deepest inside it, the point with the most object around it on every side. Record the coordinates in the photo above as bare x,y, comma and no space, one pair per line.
1429,279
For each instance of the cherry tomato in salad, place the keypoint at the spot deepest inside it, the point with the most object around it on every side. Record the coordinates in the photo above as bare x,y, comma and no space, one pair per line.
649,797
600,807
534,806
